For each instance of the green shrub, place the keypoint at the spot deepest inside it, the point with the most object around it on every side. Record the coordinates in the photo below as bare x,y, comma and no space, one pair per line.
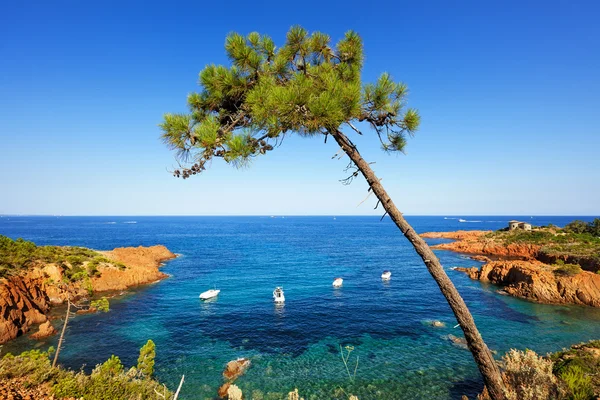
579,384
528,376
568,269
145,363
16,255
108,381
34,365
101,304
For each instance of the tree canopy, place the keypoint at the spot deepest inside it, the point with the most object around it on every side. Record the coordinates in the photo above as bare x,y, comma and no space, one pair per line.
307,86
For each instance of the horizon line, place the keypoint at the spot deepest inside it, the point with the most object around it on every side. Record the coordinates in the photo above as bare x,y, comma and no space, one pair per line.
296,215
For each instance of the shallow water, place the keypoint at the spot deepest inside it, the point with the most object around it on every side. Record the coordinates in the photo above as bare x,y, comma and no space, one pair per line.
399,355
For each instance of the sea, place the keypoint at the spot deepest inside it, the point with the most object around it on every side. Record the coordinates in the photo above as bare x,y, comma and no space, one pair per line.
383,329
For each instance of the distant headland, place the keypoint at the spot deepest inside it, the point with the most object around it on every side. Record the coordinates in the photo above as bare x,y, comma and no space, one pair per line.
544,264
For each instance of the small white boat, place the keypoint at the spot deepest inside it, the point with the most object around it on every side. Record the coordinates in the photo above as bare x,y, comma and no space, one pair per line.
387,275
278,296
338,282
209,294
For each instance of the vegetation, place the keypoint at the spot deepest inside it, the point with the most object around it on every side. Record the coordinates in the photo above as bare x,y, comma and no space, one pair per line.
529,376
146,359
572,374
576,240
578,226
108,381
101,304
314,89
77,263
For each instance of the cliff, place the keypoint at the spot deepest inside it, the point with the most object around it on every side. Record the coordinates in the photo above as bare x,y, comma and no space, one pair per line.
478,242
536,281
26,297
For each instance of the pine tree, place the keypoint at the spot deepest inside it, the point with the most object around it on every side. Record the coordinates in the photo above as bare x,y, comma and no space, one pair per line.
146,359
310,88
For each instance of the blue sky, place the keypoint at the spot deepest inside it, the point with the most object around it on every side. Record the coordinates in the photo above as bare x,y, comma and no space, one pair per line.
507,91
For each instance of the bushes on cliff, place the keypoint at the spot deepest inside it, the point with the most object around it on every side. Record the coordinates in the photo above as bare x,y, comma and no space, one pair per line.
78,263
572,374
566,269
108,381
101,304
528,376
578,226
33,365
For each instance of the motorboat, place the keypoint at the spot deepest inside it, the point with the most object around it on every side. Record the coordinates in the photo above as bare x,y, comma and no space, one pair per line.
338,282
278,296
387,275
209,294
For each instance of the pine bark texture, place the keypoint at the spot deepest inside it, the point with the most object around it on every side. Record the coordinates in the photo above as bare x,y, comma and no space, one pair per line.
482,355
62,334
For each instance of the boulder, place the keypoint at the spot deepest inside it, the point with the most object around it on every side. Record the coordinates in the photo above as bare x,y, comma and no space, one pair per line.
236,368
222,392
46,329
234,393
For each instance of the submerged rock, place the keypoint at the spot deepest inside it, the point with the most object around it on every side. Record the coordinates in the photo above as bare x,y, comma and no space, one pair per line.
458,341
236,368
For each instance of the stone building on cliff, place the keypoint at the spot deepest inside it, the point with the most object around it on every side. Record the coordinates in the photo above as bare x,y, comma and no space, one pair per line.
512,225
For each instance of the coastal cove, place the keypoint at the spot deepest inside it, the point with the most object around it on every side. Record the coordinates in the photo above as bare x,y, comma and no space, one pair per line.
401,355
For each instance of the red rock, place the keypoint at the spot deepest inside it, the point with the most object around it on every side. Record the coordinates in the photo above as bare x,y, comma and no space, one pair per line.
46,329
236,368
222,392
25,299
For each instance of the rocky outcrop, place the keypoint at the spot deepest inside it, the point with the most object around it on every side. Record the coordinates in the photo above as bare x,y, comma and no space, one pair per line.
46,329
233,370
535,281
476,242
236,368
523,269
25,299
23,303
142,267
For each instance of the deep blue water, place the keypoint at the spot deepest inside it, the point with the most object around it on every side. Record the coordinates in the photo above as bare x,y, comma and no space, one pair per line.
297,345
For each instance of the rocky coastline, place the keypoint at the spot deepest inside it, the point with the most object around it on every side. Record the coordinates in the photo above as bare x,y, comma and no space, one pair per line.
524,270
26,298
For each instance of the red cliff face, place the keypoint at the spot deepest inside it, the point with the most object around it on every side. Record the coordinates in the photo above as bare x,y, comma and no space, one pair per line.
534,281
25,299
475,242
23,303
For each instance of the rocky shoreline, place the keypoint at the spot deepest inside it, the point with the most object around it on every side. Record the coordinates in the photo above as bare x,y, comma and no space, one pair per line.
522,269
26,299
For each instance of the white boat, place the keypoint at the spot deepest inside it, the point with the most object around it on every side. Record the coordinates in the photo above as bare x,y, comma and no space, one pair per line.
278,296
338,282
209,294
386,275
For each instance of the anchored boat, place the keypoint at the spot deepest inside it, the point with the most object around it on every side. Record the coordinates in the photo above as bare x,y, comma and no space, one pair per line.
338,282
209,294
387,275
278,296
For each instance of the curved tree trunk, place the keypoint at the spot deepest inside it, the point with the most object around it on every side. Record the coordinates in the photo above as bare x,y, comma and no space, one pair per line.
482,355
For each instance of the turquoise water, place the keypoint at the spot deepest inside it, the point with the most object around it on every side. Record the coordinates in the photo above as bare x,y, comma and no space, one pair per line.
399,355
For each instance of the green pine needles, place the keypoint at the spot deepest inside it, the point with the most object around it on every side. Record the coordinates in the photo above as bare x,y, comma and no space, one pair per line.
306,87
146,359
